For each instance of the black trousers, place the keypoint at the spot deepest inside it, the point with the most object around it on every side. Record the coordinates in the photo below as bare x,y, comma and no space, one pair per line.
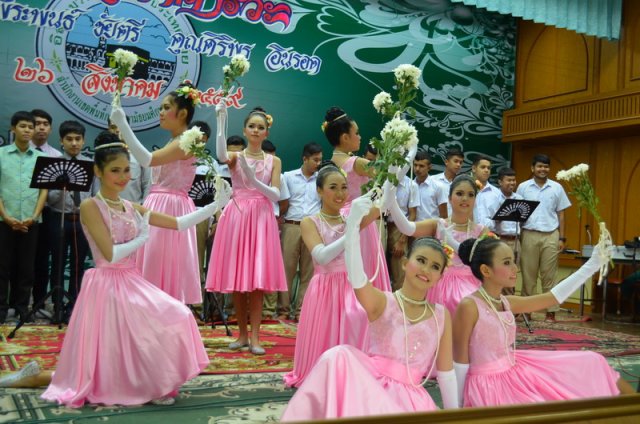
43,256
17,253
74,249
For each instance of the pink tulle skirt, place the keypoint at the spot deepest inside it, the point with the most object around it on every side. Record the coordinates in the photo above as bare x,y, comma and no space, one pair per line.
540,376
246,253
169,259
456,283
127,343
348,383
330,316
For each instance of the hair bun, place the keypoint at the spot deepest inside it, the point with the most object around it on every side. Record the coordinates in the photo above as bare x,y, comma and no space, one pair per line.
333,113
464,251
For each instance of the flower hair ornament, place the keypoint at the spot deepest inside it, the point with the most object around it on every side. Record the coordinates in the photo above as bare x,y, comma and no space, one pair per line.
190,93
485,235
267,117
449,252
325,124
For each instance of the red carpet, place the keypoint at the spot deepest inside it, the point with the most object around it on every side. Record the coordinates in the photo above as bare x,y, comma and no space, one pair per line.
43,342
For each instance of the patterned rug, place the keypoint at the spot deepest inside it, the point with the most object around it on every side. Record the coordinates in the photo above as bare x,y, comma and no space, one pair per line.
43,342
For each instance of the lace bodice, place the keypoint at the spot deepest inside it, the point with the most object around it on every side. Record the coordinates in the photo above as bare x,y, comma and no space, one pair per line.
387,338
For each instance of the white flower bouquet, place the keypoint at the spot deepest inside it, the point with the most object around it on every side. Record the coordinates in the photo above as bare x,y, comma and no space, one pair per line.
237,67
125,61
577,178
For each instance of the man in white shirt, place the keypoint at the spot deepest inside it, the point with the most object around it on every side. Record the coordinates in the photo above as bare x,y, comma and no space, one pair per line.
430,193
507,230
40,141
543,233
452,165
397,243
487,199
302,201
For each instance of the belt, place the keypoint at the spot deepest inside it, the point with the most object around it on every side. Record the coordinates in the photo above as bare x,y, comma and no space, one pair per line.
507,237
72,217
290,221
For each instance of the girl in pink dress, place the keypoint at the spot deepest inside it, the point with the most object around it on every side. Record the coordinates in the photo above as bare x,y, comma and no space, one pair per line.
457,281
128,342
490,370
330,314
343,134
173,172
408,339
246,258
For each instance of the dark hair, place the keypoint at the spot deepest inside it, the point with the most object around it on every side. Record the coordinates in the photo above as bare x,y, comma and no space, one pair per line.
480,157
236,140
506,172
184,102
336,123
541,158
371,149
105,155
454,152
258,110
462,179
268,146
204,127
39,113
431,242
22,115
68,127
325,169
311,149
422,155
482,254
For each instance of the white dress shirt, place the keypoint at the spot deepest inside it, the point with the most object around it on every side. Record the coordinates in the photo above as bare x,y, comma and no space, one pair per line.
445,187
552,198
504,228
407,196
486,204
301,193
430,195
47,149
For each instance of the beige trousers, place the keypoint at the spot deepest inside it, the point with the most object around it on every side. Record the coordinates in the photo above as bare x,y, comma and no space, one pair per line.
539,257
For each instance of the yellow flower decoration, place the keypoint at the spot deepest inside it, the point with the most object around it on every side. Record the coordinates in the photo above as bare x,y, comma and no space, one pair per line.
190,93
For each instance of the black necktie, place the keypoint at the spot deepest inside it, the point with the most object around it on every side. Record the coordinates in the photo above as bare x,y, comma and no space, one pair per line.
39,149
75,194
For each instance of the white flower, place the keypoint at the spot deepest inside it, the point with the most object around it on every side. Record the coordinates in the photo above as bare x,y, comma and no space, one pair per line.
408,74
240,63
190,138
226,69
125,59
562,175
573,172
381,101
400,131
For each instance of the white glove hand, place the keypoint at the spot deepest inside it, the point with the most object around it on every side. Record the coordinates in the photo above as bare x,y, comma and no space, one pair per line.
271,193
389,192
221,131
447,235
390,204
448,389
142,155
360,208
193,218
121,251
322,254
223,192
566,287
352,253
461,377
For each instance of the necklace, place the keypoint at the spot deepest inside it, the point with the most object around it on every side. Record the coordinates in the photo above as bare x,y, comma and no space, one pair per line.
332,227
339,152
326,215
409,300
468,225
406,341
487,296
109,201
254,154
504,323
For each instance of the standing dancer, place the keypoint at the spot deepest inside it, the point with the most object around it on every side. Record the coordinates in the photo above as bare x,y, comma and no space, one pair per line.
330,313
408,339
490,370
343,134
457,281
246,259
128,342
172,176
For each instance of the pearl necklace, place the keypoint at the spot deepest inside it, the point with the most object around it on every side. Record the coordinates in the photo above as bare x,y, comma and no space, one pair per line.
259,154
323,218
406,341
468,225
409,300
510,356
487,296
118,202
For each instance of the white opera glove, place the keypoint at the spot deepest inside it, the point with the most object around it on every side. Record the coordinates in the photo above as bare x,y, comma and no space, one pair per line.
461,378
223,192
323,254
142,155
272,193
448,389
566,287
122,250
360,207
448,235
221,131
193,218
409,157
390,204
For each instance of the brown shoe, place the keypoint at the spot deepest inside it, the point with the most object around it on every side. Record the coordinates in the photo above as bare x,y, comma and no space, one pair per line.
550,317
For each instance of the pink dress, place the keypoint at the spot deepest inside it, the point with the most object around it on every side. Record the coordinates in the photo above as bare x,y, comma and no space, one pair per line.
330,314
373,254
128,342
457,281
348,382
246,253
169,259
537,376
